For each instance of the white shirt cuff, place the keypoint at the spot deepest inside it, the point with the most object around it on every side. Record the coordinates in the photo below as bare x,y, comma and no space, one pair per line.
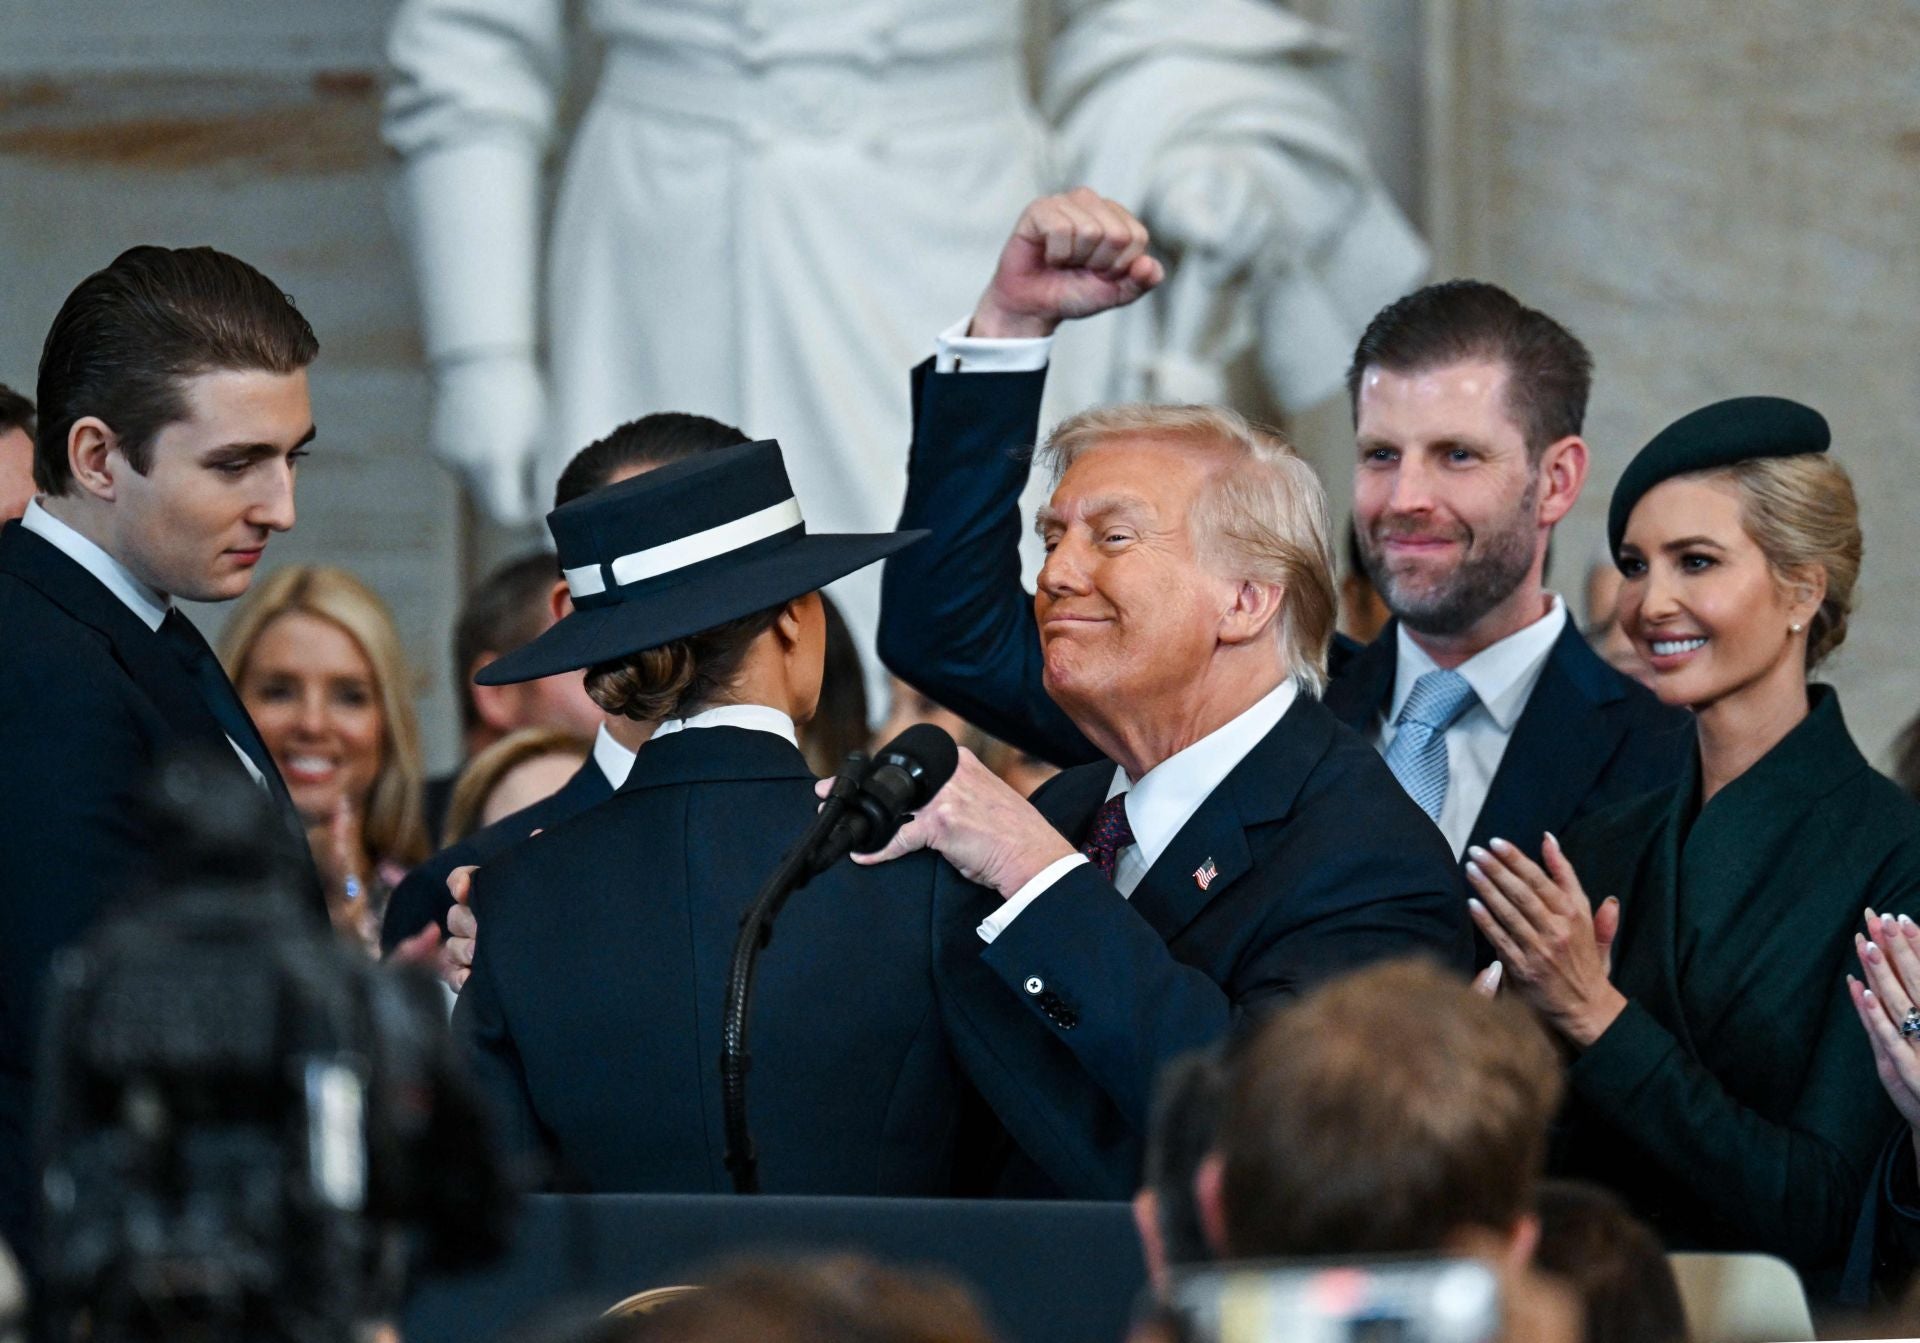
997,922
954,351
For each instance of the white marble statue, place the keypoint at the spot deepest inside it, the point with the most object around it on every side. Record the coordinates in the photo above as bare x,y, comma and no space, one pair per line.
770,207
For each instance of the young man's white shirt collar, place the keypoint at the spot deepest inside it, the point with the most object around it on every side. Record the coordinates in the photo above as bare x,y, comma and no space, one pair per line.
1161,802
137,597
147,603
1503,676
758,717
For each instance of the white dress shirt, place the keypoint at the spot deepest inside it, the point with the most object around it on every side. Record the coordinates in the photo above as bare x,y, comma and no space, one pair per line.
758,717
148,604
615,761
1160,802
1502,676
954,351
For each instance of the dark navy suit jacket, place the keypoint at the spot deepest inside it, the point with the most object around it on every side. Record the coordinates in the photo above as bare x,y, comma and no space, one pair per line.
956,623
422,897
1299,890
90,700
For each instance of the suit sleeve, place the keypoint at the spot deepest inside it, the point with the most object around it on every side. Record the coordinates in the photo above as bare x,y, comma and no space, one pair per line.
1796,1186
1126,1005
955,621
485,1039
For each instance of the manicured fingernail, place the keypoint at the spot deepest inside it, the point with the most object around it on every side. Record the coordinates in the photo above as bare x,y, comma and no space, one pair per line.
1475,851
1867,994
1475,906
1908,926
1473,871
1873,952
1552,839
1499,845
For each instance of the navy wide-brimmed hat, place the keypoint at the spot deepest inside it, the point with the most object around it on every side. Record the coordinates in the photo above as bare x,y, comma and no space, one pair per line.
679,550
1718,435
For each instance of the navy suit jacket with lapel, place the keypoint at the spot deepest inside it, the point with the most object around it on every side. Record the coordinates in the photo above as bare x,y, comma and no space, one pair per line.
1588,737
1301,889
90,700
422,897
593,1015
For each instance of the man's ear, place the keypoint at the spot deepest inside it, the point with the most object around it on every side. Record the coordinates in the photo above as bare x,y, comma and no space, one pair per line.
498,706
1210,1202
560,601
1153,1249
1562,471
93,456
1256,609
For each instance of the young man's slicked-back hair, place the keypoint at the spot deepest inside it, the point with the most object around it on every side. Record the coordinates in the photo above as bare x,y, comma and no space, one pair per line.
128,336
1549,371
653,440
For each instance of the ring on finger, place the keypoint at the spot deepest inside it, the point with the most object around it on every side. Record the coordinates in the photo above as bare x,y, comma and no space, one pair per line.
1910,1025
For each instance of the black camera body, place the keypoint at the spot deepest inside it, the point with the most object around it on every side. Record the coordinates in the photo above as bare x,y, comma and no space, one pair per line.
246,1129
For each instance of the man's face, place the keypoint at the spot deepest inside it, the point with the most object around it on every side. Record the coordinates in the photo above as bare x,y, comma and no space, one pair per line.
16,472
1444,495
220,483
1127,614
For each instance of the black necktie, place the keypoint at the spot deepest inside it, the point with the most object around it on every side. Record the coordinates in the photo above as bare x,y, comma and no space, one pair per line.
218,692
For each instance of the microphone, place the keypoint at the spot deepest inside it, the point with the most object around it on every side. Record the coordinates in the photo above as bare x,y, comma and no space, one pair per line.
905,775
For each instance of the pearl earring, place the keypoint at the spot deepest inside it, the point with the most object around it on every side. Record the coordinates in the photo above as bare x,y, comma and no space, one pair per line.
1795,627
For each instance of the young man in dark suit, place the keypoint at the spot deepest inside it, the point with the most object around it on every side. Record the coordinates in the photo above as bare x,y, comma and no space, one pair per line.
173,414
1486,701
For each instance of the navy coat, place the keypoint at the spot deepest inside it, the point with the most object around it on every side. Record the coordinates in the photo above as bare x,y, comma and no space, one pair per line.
421,898
955,622
90,700
593,1014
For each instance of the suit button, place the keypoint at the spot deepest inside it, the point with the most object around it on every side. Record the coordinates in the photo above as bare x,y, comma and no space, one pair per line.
1065,1019
1033,984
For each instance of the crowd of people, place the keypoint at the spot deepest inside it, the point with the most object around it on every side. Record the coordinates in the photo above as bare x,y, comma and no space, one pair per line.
1311,946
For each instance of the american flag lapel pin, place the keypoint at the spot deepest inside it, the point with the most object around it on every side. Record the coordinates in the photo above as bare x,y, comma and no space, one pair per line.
1204,874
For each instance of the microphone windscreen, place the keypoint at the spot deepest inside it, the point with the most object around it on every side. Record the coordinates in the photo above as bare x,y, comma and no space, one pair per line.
927,754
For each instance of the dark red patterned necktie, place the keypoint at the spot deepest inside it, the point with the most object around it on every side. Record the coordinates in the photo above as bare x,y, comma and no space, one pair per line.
1109,835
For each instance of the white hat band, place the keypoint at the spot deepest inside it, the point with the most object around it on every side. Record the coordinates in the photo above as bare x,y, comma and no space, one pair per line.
586,581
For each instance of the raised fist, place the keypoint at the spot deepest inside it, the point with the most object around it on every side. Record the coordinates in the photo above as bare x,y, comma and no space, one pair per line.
1070,256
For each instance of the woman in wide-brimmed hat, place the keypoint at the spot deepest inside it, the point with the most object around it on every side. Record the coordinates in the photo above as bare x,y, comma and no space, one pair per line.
593,1013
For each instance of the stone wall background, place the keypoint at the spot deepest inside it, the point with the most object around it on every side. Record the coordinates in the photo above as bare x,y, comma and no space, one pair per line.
1720,197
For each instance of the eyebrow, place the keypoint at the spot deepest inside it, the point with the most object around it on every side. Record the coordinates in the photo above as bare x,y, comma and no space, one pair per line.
1691,543
236,450
1123,506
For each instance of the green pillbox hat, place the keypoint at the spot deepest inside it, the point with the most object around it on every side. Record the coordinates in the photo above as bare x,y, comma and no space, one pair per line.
1718,435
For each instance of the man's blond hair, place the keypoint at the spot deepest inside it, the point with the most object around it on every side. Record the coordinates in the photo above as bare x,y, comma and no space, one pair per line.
1261,518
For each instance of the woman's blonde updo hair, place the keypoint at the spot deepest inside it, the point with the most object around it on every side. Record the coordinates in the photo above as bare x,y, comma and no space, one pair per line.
1802,513
681,677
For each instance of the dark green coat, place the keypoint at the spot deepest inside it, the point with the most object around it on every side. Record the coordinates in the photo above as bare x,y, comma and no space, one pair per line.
1734,1102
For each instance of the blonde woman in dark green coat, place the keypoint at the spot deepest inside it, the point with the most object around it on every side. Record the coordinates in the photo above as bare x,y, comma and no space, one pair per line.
1719,1079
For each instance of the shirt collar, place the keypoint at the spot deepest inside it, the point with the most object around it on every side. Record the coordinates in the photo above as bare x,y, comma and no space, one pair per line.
1502,674
150,605
759,717
615,761
1167,795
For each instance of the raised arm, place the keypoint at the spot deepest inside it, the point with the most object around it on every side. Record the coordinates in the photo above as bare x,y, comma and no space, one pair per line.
955,621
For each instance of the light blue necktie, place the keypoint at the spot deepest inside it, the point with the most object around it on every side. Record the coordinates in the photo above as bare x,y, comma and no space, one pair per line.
1418,753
